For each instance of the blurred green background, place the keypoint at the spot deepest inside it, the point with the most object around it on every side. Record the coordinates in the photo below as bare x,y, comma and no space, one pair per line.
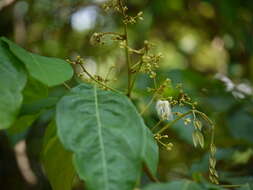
198,39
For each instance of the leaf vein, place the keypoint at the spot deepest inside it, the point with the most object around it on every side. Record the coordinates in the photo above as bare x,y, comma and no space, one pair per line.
101,139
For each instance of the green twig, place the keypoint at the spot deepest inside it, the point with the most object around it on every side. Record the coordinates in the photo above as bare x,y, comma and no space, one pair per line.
158,123
66,86
149,174
147,106
231,186
97,81
128,62
135,77
174,121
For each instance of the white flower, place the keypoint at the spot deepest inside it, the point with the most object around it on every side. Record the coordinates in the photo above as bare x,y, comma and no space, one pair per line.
240,90
164,110
228,83
244,88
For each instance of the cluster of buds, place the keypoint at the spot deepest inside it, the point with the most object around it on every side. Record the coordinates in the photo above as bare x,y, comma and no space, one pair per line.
133,19
161,89
78,60
187,121
111,5
183,99
159,137
118,6
98,38
150,64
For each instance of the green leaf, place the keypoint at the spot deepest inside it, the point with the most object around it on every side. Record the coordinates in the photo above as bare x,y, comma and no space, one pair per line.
49,71
151,154
34,91
22,123
12,82
57,161
246,180
35,107
106,134
40,102
245,187
240,123
175,185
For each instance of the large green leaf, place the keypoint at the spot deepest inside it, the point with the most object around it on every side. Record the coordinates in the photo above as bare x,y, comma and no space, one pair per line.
108,137
46,99
151,153
49,71
57,161
175,185
34,91
12,82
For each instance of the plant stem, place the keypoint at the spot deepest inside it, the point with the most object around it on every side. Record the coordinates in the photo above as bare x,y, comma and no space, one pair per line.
149,174
121,5
135,77
204,116
128,62
150,102
158,123
230,186
66,86
174,121
97,81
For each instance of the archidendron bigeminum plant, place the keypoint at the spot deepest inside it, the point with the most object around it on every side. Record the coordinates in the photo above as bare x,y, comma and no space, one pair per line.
104,137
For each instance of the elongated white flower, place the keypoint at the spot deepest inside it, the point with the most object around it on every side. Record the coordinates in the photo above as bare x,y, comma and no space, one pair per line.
239,91
244,88
164,110
228,83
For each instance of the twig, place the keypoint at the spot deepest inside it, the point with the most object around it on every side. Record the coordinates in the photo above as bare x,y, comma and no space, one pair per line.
135,77
231,186
158,123
67,86
128,62
174,121
149,174
126,50
97,81
150,102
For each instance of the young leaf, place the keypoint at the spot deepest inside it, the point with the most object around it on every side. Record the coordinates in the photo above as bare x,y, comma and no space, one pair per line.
12,82
57,161
49,71
106,134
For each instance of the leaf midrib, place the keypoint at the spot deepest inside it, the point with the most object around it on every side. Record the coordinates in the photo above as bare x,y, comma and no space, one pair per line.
101,142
